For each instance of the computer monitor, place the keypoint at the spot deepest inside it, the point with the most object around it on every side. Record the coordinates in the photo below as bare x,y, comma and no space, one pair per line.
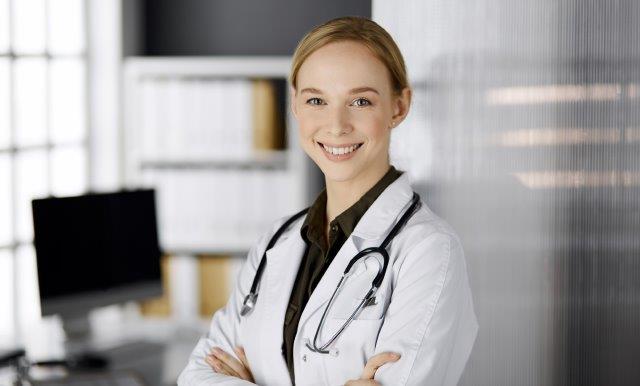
95,250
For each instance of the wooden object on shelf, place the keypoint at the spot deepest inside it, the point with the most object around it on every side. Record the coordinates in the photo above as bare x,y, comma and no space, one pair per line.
268,133
161,306
214,272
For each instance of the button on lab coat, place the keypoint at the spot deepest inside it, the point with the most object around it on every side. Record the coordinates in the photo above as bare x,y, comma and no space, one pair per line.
423,309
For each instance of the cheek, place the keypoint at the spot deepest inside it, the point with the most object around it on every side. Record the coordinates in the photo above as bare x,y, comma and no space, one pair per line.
306,132
370,122
306,135
306,123
374,129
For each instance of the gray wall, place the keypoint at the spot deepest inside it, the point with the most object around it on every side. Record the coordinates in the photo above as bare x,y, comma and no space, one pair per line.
237,27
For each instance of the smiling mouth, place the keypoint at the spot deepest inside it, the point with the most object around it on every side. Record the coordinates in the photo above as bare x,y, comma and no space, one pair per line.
340,150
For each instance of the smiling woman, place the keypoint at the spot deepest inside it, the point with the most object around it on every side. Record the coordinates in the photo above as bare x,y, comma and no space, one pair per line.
346,100
370,287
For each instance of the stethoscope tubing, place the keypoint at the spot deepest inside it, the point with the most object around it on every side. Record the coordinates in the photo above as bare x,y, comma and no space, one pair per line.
377,281
250,300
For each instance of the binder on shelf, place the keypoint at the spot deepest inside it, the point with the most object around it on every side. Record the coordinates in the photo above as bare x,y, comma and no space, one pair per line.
210,135
214,278
268,133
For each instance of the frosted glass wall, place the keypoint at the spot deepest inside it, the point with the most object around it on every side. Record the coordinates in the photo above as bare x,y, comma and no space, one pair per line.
525,135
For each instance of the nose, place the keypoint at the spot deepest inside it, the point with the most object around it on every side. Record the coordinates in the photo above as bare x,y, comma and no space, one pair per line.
339,121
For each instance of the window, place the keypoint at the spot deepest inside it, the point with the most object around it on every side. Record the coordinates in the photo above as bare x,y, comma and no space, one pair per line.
43,135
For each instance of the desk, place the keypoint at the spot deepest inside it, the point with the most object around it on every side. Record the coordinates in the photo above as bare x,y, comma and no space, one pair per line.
156,349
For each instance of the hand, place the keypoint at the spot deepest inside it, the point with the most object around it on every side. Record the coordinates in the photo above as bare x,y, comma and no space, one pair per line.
225,363
371,367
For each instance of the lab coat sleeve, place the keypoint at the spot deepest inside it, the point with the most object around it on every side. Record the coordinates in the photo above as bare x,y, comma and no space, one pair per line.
430,320
224,328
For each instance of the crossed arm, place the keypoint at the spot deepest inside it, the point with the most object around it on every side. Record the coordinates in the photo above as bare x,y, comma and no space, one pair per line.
224,363
430,322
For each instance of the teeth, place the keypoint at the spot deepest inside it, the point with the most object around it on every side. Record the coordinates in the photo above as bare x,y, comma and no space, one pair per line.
340,150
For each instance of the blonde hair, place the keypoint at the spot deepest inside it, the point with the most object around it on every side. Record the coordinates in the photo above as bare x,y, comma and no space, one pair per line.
358,29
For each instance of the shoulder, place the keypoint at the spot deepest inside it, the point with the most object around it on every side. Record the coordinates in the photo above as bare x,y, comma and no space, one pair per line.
428,241
274,227
259,246
425,224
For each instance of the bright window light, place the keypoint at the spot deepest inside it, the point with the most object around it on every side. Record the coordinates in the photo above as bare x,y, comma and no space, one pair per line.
31,182
67,100
66,23
43,131
28,296
30,101
28,25
4,26
6,295
68,171
6,231
5,106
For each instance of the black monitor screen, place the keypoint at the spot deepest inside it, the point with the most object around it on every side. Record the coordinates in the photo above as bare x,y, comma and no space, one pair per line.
95,242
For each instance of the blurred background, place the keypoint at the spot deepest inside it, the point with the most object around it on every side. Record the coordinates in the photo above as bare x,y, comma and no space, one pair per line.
524,134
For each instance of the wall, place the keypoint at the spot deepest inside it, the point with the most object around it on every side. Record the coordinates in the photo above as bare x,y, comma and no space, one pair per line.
525,135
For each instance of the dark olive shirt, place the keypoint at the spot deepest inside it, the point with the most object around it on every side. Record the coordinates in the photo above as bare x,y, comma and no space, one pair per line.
319,253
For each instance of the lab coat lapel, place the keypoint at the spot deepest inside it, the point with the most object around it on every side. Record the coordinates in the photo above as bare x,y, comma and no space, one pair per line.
329,281
370,231
283,261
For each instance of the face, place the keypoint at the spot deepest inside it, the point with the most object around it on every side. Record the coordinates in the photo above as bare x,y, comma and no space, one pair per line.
344,104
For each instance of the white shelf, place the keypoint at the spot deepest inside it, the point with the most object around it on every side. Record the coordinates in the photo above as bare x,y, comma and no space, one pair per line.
254,187
221,66
275,159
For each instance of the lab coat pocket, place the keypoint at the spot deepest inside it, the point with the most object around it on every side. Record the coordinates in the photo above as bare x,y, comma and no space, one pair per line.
374,309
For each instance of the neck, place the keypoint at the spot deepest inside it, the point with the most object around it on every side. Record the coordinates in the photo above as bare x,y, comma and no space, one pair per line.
343,194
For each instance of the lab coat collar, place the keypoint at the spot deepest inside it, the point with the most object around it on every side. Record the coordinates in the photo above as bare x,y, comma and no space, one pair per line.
385,209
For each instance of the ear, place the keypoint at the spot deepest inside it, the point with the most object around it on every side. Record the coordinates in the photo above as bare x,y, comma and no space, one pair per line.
292,101
401,105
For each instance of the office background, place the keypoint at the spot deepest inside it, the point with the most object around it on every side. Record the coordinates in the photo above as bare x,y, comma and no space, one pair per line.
524,134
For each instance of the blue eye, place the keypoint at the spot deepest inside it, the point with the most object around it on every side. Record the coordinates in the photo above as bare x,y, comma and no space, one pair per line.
363,99
314,104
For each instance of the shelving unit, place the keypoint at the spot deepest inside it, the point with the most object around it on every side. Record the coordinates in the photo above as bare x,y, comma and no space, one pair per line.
233,197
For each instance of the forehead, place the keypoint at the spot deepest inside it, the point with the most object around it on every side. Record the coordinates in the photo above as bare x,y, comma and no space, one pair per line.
341,66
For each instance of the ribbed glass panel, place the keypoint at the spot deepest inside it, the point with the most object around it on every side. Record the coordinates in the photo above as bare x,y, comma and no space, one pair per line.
525,135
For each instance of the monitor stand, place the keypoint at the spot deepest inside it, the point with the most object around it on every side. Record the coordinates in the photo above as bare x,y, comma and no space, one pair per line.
77,329
80,355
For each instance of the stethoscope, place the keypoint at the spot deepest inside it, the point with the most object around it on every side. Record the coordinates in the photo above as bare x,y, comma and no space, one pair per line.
249,301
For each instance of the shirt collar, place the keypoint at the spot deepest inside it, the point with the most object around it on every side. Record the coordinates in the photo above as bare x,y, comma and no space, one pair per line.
315,216
349,220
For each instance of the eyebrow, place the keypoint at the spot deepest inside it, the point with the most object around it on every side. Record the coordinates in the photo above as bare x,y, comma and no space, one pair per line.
352,91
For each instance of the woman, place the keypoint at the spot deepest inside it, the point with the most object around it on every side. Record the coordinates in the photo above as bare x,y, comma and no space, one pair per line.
349,90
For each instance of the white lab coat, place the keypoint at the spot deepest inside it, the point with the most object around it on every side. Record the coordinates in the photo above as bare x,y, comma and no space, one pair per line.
424,307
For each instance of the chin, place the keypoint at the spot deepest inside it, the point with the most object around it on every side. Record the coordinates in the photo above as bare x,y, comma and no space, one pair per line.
333,174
